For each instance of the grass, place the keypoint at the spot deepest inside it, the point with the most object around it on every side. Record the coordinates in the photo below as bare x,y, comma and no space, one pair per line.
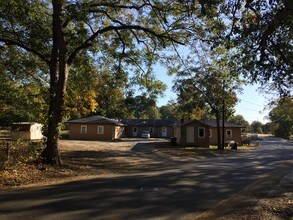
187,151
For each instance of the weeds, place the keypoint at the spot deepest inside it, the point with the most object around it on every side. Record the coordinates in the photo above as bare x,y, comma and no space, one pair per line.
13,153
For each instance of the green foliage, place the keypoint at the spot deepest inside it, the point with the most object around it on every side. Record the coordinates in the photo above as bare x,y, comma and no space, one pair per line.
205,83
169,111
262,33
239,120
256,127
281,117
24,88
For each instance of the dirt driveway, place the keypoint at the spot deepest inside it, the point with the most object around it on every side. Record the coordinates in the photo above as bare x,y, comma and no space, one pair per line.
106,157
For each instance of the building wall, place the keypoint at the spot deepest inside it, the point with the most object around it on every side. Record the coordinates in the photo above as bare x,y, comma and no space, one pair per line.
157,131
198,141
110,132
32,132
236,135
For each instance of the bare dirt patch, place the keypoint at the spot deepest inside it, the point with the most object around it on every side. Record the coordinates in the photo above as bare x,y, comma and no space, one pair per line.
84,158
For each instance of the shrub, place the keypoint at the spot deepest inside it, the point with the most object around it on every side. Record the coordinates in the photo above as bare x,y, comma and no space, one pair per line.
17,152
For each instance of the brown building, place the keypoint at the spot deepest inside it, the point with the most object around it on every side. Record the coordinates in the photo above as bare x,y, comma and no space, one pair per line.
232,132
157,127
194,133
95,128
204,134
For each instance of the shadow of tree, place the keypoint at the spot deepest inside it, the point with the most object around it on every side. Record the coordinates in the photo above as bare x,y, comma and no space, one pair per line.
151,184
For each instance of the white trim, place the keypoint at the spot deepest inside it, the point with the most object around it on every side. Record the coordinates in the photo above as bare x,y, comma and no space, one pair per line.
204,132
134,133
102,130
164,131
210,133
83,129
231,134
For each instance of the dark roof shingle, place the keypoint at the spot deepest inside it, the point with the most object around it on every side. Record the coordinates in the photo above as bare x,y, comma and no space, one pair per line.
96,119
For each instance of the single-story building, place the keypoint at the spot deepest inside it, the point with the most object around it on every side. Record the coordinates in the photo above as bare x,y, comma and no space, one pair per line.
157,127
193,133
204,133
232,132
26,131
95,128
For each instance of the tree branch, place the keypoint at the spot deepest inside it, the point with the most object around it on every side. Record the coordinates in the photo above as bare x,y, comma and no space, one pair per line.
25,47
90,41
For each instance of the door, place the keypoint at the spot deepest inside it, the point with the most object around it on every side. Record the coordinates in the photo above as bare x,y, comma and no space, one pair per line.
134,131
164,131
189,134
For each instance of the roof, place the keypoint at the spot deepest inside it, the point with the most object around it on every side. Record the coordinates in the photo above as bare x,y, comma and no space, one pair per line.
196,121
213,123
149,122
96,119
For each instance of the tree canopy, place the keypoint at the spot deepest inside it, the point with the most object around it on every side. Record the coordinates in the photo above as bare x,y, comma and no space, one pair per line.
281,117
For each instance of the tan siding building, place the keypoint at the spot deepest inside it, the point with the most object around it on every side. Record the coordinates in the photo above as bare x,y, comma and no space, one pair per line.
232,132
162,128
95,128
194,133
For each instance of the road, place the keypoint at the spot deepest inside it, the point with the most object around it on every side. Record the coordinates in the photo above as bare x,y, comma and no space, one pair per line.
172,189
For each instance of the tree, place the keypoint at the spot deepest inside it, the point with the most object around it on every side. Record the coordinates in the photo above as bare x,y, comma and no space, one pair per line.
169,111
57,33
207,81
239,120
22,96
281,117
256,127
262,33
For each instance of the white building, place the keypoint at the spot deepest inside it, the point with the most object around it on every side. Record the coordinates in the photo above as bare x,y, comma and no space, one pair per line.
26,131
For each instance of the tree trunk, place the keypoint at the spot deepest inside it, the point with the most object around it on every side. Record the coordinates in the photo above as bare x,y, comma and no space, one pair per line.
59,70
223,124
218,130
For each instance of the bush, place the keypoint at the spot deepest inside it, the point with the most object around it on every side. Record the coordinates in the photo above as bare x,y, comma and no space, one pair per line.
13,153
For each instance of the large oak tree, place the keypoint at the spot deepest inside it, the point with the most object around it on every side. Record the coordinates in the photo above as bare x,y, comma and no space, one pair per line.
57,32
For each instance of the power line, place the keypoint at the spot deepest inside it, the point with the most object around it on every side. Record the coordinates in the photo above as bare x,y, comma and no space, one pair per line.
251,102
249,109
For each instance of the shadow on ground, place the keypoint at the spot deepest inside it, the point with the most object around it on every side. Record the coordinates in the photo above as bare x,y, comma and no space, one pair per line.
153,186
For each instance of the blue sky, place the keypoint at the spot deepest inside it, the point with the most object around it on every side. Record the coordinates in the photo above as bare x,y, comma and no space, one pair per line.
251,105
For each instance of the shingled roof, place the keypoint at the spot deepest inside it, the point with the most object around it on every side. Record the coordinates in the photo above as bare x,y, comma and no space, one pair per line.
149,122
96,119
213,123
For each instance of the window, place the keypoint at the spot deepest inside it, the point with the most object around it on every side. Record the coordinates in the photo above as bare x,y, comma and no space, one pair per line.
210,133
83,129
201,132
100,130
151,130
228,133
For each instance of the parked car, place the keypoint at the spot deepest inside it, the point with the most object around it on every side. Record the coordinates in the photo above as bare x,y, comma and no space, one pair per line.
145,134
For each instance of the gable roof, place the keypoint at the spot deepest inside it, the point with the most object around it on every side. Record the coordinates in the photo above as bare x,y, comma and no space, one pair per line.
96,119
149,122
213,124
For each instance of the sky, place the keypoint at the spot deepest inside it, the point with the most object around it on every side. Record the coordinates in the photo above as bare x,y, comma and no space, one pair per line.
251,103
